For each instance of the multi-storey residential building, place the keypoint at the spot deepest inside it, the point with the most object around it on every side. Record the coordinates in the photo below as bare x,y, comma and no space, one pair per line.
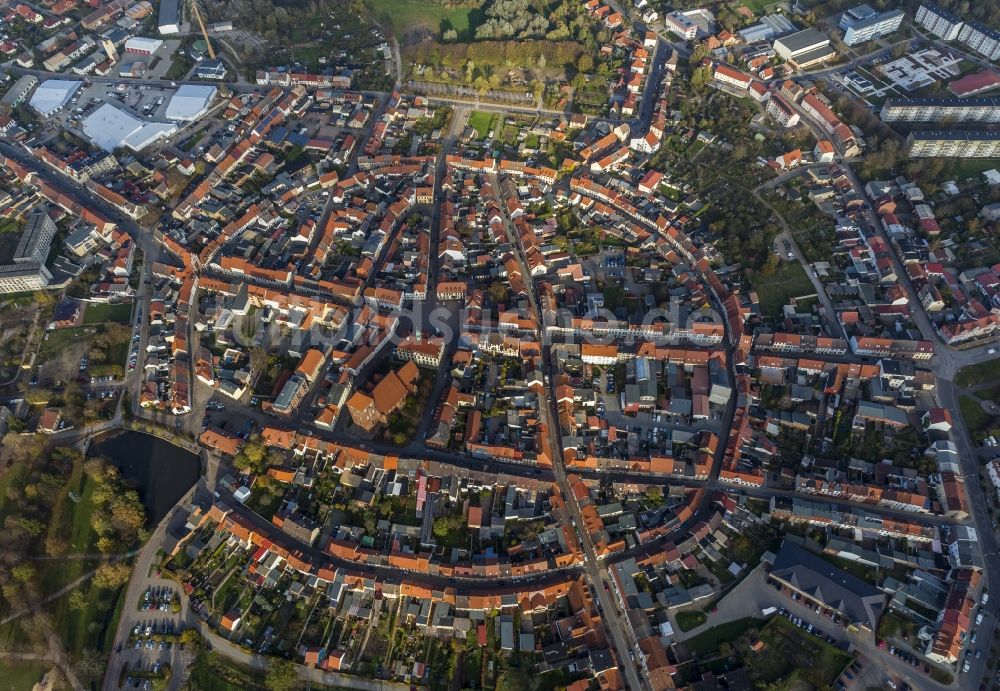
25,268
981,38
779,109
935,109
954,143
863,23
734,78
681,25
939,22
36,239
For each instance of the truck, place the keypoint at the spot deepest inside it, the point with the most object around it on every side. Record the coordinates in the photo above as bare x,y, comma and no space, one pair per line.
768,611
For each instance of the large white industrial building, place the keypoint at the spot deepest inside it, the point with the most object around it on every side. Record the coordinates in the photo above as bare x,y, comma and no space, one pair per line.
52,95
190,102
111,128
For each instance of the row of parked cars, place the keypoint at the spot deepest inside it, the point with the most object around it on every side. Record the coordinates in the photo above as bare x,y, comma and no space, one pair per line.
157,598
809,628
848,675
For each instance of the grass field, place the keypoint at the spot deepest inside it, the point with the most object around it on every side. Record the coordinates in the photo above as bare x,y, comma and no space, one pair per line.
71,521
708,643
788,281
212,673
482,123
92,626
101,313
976,419
789,649
405,15
689,620
981,373
13,476
21,676
969,167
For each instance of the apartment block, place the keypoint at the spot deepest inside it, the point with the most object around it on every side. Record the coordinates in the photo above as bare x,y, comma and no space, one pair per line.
954,144
782,113
985,110
939,22
24,269
862,23
981,39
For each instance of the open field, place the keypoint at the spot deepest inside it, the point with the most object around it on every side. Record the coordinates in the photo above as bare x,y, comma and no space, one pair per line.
976,419
482,123
21,675
790,650
101,313
981,373
788,281
404,16
708,642
212,673
689,620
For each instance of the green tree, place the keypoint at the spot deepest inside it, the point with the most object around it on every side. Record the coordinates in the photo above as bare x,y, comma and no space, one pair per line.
25,573
111,576
701,77
77,601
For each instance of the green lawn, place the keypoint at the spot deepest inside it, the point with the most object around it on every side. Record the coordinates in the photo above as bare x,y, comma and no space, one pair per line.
758,6
212,673
58,339
976,419
405,15
788,281
991,393
690,620
93,626
969,167
981,373
707,643
13,476
482,123
71,521
789,649
102,313
21,676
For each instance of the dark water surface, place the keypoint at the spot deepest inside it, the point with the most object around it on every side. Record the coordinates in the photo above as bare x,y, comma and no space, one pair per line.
160,471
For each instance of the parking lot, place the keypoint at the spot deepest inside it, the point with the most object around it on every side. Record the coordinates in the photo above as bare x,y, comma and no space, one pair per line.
152,649
142,100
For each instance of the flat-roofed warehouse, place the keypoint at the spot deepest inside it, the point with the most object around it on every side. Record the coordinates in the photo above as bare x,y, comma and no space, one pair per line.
805,48
110,128
52,95
190,102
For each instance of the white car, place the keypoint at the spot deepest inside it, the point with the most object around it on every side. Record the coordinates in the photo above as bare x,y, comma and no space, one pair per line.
991,351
